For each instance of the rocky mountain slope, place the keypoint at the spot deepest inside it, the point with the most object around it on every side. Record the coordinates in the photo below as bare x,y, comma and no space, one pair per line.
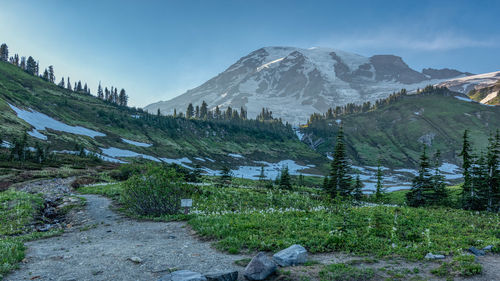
295,82
483,88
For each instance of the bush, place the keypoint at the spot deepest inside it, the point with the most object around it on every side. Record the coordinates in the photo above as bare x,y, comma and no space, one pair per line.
463,265
81,181
155,193
126,171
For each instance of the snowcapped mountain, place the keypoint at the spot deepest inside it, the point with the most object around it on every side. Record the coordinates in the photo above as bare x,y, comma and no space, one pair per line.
474,82
295,83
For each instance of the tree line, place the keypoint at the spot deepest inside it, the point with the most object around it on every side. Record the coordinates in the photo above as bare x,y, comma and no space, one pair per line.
31,66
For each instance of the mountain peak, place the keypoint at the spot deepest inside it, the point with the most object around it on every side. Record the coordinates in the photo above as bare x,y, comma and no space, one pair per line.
296,82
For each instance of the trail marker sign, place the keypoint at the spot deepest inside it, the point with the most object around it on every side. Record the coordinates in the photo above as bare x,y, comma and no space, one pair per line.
186,204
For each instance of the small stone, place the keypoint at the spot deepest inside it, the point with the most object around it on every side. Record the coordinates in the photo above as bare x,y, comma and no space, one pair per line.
476,252
292,255
488,248
222,276
260,267
183,275
135,259
431,256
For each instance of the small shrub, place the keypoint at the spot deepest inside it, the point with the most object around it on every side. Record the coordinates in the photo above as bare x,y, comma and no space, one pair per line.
464,265
155,193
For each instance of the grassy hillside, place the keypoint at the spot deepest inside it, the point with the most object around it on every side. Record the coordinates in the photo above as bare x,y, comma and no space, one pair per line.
395,132
171,137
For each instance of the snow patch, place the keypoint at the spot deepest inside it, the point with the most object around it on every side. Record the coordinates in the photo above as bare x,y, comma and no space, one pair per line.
42,122
36,134
489,97
117,152
271,170
136,143
180,161
234,155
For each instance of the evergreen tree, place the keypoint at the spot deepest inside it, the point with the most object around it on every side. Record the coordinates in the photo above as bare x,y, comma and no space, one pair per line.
357,191
52,77
285,180
467,191
100,93
158,112
22,65
61,84
422,184
340,181
45,75
123,98
190,111
197,112
4,52
203,110
115,96
31,66
380,190
79,87
68,84
262,176
440,194
106,94
175,112
217,114
493,176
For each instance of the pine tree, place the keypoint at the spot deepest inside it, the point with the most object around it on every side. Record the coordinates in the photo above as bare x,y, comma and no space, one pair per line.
203,110
340,181
22,65
106,94
68,84
175,112
380,190
285,180
217,114
477,200
190,111
357,191
262,176
4,52
440,194
45,75
31,66
100,93
52,77
493,170
115,96
123,98
158,112
422,184
466,168
197,112
61,84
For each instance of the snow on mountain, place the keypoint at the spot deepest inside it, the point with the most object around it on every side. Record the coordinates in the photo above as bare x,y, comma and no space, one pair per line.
473,82
294,83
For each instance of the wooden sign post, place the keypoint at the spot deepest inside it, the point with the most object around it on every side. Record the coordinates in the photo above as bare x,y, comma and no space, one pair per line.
186,204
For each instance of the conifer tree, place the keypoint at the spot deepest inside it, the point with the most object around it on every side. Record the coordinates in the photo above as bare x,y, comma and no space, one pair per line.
285,180
4,52
357,191
68,84
477,200
122,98
217,114
440,194
493,170
31,66
100,93
22,65
45,75
175,112
466,168
52,77
190,111
197,112
203,110
380,190
422,184
106,94
61,84
340,180
262,176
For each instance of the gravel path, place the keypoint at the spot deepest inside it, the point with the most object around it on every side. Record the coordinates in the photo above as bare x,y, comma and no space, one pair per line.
103,251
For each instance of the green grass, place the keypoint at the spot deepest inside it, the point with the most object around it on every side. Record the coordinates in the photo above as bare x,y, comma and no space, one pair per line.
343,272
462,265
17,211
255,219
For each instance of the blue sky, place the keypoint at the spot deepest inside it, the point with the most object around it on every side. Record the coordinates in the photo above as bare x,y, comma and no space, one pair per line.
158,49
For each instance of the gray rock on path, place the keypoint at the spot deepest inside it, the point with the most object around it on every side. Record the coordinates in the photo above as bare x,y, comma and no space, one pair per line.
488,248
183,275
476,252
431,256
292,255
222,276
260,267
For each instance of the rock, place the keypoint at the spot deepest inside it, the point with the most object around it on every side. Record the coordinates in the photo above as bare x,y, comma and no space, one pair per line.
488,248
183,275
292,255
135,259
260,267
431,256
476,252
222,276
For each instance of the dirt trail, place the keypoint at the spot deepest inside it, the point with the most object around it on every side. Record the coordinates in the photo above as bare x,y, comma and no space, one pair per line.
103,251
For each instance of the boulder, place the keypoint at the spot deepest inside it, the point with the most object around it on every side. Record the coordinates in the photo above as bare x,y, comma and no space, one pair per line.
292,255
476,252
431,256
260,267
222,276
183,275
488,248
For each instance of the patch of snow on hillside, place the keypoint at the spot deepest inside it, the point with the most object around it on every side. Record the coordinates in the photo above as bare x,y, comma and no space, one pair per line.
36,134
181,161
117,152
271,170
234,155
136,143
489,97
102,157
464,99
5,144
41,122
200,159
